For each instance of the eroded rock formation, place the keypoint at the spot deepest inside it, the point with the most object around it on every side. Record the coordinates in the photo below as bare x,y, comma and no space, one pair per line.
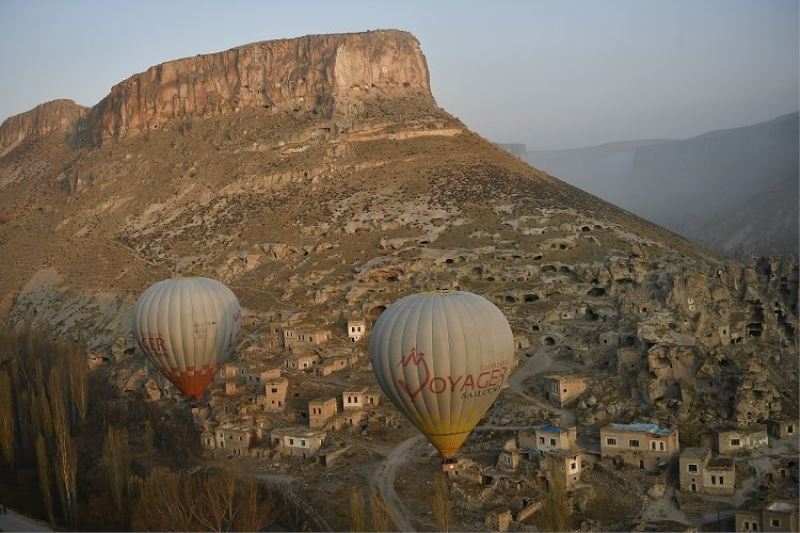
53,116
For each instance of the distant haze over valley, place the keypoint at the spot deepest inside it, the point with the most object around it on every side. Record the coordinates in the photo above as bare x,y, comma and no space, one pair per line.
734,190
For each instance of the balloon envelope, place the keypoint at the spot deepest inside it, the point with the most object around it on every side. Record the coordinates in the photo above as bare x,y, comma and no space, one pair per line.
441,358
187,327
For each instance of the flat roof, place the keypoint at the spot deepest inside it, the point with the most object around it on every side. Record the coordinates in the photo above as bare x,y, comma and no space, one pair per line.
695,452
551,428
721,462
298,432
324,399
641,427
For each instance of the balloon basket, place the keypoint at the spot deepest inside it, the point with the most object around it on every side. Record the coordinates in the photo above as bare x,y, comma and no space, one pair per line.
450,464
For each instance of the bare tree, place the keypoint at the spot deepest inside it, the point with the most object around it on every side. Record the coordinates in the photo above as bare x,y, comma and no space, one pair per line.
252,512
66,467
441,502
380,516
164,503
45,484
117,460
215,493
149,438
7,419
357,516
78,376
556,514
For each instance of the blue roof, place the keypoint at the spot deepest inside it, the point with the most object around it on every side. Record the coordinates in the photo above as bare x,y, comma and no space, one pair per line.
550,428
641,426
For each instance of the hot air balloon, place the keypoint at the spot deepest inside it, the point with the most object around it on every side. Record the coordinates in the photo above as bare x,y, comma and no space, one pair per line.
187,327
442,357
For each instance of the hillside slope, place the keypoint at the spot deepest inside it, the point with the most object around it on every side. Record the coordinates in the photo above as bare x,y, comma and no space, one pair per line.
343,187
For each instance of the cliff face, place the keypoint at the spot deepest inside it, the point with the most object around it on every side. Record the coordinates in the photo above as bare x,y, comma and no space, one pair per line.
56,115
305,73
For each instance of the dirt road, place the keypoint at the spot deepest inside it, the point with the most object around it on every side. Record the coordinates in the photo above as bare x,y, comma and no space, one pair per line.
539,364
384,480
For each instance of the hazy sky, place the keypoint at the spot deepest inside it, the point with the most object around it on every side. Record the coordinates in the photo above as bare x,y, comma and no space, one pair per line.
550,74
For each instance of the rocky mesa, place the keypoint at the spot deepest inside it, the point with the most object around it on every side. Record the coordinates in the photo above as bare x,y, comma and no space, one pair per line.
54,116
319,72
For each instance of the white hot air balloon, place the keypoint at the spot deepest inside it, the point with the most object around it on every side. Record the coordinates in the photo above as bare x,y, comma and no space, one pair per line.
442,357
187,327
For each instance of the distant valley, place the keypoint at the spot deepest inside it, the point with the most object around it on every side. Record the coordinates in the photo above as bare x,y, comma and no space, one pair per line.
733,190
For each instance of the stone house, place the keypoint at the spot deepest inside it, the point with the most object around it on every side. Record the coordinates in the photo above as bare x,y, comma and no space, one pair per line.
356,329
563,388
321,410
235,439
359,398
510,456
731,440
302,362
353,417
777,515
783,426
332,364
545,437
275,394
298,441
700,472
498,520
565,464
641,445
294,339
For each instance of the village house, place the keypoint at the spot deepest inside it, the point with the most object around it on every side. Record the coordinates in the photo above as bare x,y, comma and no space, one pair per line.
294,339
732,439
565,464
546,437
302,362
275,394
699,471
359,397
641,445
563,388
333,364
235,439
782,427
298,441
353,417
777,515
498,519
510,456
321,410
356,329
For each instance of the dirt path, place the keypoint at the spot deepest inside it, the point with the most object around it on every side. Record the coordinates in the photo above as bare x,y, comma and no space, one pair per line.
539,364
384,479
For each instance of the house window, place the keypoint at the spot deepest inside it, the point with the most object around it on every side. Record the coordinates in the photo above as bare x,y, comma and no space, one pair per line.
693,468
565,390
789,429
349,399
541,440
573,466
633,443
611,441
291,441
652,445
721,480
552,442
735,442
713,480
302,443
275,391
661,446
776,522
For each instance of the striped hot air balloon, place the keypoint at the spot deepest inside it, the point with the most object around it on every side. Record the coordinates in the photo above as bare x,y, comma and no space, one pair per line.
442,357
187,327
